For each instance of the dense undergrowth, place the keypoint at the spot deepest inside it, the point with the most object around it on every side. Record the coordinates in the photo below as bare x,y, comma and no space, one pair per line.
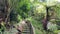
35,12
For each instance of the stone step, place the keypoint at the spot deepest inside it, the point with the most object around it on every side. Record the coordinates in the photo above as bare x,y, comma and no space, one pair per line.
25,31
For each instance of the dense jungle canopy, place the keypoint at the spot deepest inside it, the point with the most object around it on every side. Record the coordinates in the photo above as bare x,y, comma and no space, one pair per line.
44,15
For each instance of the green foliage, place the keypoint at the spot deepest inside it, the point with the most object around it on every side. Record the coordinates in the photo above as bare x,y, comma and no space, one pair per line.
34,11
20,8
2,27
